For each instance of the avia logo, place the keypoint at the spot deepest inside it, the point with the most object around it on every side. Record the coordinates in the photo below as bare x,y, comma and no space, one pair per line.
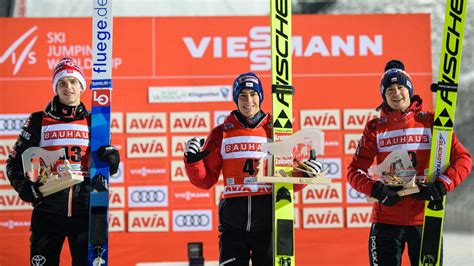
322,217
358,217
116,122
321,119
190,122
25,54
147,147
116,221
148,221
116,197
351,142
323,194
256,46
146,122
3,175
178,173
358,118
9,200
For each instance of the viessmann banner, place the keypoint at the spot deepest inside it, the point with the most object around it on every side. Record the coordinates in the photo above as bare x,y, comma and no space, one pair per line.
172,81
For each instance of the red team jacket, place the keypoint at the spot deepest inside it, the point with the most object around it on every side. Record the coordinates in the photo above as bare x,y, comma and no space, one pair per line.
410,131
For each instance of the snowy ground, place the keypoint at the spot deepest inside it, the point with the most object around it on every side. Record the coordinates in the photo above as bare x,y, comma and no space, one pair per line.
459,249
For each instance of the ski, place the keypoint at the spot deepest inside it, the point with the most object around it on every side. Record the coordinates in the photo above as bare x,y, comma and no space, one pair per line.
445,107
101,88
282,92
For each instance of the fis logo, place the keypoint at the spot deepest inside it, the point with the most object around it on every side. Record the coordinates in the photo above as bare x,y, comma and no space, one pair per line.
21,50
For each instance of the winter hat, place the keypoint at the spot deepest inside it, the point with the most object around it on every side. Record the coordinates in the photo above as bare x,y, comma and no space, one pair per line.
395,74
247,81
66,67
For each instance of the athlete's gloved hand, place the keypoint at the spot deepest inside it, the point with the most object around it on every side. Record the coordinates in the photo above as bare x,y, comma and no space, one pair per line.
310,167
31,193
192,150
111,156
430,191
385,194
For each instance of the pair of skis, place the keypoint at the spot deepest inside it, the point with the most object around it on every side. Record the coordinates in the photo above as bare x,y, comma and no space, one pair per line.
101,88
445,107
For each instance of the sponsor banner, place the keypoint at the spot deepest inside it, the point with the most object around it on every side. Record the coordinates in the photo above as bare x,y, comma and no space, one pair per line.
178,143
6,146
117,197
218,193
358,118
296,219
323,218
3,175
190,94
358,217
147,147
297,197
332,167
9,200
178,172
351,141
11,124
187,195
118,177
116,122
146,122
330,193
219,117
332,143
148,221
329,119
16,222
192,220
147,196
116,221
354,196
189,122
147,171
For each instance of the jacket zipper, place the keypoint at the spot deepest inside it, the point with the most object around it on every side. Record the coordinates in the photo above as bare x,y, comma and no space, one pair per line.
249,213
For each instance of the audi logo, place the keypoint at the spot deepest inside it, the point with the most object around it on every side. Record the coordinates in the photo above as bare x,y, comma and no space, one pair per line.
11,124
331,168
354,194
194,220
38,260
148,196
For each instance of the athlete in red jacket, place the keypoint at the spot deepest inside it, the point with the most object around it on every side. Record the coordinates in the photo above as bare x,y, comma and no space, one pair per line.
403,125
234,147
63,124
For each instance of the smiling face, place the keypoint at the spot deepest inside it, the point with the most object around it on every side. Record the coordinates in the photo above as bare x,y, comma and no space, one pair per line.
248,102
69,90
398,97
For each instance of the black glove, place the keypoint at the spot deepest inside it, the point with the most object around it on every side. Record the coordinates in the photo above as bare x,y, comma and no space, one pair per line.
192,150
430,191
111,156
386,195
31,193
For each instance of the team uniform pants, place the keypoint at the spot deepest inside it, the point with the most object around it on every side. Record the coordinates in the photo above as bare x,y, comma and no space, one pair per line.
236,248
48,232
387,243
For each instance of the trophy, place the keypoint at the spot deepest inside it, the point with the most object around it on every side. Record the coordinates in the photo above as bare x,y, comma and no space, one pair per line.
396,171
53,181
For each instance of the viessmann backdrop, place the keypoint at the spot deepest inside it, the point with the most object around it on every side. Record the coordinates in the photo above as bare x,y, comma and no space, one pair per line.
172,80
